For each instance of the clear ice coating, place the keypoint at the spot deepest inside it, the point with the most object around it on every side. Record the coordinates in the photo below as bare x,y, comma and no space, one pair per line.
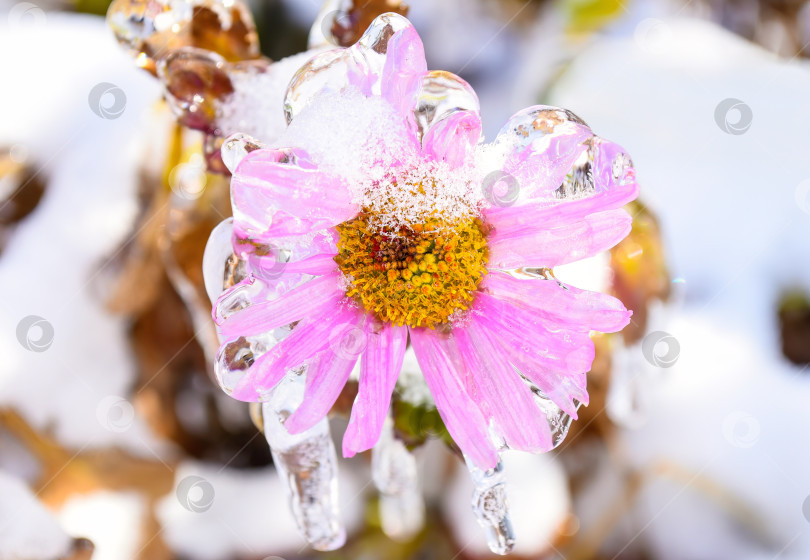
442,94
194,80
150,29
308,463
490,507
334,70
393,468
236,147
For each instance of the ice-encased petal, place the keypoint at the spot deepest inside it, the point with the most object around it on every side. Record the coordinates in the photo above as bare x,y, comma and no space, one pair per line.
306,300
539,146
452,139
444,373
281,192
325,379
379,369
308,338
516,243
502,395
564,306
388,60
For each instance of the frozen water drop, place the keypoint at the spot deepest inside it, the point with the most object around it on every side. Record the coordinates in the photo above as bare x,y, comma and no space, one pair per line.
307,462
490,507
393,469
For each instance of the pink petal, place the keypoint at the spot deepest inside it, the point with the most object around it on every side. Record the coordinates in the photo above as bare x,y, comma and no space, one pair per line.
316,265
561,350
443,369
307,339
380,367
554,362
326,377
504,397
309,299
452,138
516,243
277,193
404,61
565,306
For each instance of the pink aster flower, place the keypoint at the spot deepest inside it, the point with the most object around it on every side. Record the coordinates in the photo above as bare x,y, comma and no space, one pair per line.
379,222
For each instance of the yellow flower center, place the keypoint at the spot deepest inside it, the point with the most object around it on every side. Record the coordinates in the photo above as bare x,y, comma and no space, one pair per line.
417,275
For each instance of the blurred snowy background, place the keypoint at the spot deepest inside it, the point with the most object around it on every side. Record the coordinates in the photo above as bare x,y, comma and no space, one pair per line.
115,443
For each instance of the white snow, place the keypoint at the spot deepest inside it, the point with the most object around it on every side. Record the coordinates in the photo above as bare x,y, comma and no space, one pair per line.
728,415
28,531
50,267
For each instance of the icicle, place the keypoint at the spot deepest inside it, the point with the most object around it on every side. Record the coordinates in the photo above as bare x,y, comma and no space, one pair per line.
308,462
393,469
489,506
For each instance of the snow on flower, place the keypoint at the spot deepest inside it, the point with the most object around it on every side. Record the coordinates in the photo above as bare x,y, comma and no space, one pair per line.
379,220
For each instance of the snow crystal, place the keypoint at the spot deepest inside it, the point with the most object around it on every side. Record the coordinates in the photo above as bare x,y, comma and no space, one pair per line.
365,141
256,106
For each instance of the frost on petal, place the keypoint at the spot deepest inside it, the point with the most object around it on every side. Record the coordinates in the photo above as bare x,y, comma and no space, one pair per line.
309,338
517,243
455,399
388,60
503,396
308,299
564,306
379,369
277,193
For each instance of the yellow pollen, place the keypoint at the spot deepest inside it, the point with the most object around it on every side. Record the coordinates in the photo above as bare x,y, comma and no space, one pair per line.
417,275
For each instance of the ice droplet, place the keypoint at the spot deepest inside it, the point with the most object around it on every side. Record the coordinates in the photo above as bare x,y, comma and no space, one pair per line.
490,507
393,469
236,147
308,463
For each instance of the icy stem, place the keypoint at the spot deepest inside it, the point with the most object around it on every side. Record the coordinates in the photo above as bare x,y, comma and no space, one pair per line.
393,469
489,506
308,462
